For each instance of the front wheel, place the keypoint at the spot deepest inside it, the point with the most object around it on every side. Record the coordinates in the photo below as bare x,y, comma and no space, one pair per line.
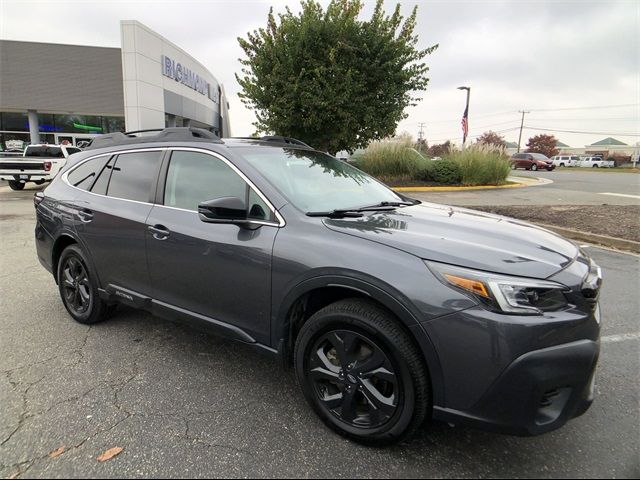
562,164
78,288
16,185
361,373
534,167
595,166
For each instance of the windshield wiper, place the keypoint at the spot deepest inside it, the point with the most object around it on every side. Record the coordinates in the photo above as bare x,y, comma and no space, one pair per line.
357,211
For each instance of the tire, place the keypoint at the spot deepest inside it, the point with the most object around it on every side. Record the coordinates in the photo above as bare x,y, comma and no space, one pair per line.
595,166
534,167
16,185
562,164
78,288
383,360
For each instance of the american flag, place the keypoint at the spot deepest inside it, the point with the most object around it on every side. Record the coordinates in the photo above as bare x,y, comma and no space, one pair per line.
465,124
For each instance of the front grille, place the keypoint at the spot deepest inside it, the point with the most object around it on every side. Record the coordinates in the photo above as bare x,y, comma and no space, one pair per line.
23,167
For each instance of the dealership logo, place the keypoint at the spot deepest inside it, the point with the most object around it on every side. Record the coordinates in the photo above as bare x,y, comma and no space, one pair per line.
187,77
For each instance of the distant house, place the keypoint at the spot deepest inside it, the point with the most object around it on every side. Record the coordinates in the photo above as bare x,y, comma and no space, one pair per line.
608,142
560,144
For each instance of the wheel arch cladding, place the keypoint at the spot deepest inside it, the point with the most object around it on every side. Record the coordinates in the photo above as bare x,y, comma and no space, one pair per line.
62,242
302,303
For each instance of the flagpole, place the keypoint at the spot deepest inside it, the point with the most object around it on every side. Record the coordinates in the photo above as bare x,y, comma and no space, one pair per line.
465,116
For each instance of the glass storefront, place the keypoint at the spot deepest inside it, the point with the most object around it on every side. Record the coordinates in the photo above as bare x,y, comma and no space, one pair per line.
56,128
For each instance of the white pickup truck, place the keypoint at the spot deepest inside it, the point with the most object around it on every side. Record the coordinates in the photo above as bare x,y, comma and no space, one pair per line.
39,164
596,162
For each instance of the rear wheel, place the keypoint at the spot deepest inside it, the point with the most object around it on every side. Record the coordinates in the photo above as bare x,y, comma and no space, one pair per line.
361,373
14,185
595,165
562,164
534,167
78,288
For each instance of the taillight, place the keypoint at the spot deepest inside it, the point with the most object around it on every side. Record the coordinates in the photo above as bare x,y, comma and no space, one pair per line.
47,166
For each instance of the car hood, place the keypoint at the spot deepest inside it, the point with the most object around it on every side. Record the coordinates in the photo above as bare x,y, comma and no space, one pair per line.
465,238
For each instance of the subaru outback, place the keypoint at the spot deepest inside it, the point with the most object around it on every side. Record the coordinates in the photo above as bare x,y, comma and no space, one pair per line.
391,311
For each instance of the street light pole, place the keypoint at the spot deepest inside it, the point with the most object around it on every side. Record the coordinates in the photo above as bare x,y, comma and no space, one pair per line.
465,116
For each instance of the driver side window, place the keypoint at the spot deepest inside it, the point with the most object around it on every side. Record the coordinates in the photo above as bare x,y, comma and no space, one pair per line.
193,178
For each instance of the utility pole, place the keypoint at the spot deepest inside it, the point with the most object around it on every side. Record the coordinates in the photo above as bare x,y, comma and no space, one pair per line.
521,126
421,136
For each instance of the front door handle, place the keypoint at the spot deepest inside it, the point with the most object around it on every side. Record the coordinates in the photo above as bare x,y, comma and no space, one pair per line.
159,232
85,215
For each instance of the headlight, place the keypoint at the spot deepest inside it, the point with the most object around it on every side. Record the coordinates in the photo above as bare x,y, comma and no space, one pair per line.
502,293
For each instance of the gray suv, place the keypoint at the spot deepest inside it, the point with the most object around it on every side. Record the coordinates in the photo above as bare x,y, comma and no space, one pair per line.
391,311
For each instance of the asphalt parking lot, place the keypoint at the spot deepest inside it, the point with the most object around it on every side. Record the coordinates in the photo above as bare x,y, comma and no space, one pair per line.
181,403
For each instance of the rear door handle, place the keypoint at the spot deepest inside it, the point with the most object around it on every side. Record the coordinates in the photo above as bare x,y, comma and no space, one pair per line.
85,215
159,232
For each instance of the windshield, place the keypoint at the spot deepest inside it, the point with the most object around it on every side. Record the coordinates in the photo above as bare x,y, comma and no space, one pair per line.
314,181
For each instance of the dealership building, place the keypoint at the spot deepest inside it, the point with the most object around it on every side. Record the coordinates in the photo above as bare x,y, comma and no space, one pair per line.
55,93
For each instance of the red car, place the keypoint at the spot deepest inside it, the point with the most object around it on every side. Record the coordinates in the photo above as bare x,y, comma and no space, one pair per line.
531,161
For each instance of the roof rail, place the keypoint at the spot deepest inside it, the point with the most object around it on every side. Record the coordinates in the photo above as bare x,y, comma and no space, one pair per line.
176,134
281,139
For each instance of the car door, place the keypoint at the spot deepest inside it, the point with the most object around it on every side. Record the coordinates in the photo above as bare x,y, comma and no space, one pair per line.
218,271
112,212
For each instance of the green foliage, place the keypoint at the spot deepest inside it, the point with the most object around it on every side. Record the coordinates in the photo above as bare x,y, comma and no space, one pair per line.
391,159
446,171
481,165
330,79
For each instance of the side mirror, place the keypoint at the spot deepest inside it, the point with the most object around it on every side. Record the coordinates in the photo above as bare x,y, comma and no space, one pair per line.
223,210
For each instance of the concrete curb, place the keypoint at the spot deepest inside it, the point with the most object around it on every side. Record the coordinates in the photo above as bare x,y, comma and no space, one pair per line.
519,183
588,237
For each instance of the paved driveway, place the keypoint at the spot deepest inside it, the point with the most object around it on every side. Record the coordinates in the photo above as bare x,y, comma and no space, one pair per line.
184,404
572,187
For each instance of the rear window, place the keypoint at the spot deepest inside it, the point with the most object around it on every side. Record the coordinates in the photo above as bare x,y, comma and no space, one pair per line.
132,176
44,151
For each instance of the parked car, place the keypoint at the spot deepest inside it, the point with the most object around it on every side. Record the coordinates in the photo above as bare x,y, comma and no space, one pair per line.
531,161
390,310
38,164
596,162
565,160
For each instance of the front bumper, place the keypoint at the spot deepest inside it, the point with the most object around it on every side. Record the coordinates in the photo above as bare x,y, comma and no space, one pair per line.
539,392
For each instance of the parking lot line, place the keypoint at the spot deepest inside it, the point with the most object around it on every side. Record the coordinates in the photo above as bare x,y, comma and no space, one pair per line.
620,195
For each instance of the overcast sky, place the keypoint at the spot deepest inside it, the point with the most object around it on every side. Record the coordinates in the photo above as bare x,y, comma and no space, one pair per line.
554,58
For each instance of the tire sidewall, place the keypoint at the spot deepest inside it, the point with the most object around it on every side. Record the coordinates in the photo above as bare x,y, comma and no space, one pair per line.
92,313
317,327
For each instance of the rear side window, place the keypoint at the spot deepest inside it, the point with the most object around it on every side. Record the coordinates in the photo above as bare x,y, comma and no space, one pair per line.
132,176
85,175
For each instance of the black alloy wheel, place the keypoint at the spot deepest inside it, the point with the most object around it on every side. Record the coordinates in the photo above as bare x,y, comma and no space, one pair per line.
78,288
77,291
362,372
354,379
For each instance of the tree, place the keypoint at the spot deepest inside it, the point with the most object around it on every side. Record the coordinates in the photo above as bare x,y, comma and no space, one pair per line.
330,79
545,144
491,138
439,150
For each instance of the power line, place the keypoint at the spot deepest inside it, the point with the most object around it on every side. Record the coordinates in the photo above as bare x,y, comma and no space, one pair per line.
622,134
597,107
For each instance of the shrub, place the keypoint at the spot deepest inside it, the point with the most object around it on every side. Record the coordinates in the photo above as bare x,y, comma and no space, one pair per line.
481,165
391,159
446,171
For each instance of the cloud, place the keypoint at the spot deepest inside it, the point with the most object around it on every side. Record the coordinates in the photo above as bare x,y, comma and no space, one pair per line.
514,55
